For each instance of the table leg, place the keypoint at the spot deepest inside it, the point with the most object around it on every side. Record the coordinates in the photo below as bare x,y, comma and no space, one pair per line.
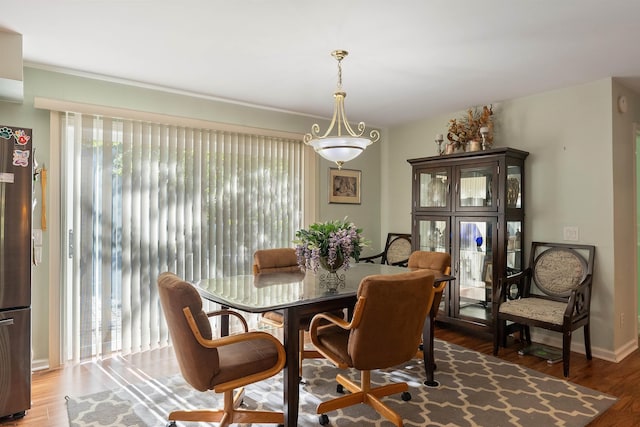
427,344
291,381
224,322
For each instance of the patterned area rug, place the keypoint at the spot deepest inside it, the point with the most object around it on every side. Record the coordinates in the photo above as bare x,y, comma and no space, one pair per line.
475,390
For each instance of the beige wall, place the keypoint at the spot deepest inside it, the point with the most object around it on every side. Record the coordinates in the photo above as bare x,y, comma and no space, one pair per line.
579,173
48,84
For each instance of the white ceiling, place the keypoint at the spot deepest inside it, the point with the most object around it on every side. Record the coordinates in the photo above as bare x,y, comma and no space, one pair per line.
408,59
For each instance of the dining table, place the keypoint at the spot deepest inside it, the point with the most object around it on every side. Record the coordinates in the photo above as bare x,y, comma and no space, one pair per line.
302,294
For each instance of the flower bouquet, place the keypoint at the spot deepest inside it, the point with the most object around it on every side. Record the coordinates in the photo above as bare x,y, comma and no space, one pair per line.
329,244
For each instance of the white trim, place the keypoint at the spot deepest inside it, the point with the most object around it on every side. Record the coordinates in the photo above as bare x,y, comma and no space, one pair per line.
310,203
636,273
55,252
111,79
102,110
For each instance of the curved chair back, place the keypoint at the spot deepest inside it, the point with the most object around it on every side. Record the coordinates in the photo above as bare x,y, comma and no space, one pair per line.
275,261
393,314
398,248
426,260
199,365
557,271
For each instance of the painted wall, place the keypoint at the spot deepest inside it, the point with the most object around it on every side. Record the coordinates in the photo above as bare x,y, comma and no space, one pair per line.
624,196
55,85
579,173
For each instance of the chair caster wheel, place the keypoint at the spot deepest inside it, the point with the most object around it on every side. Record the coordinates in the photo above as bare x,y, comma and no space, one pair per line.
323,419
171,424
406,396
340,388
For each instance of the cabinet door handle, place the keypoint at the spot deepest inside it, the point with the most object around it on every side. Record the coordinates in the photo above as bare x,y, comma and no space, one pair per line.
6,322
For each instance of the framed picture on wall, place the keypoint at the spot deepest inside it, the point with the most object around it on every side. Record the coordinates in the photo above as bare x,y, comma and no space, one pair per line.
344,186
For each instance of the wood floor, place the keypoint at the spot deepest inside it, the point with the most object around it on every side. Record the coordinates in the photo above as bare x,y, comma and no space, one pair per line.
49,388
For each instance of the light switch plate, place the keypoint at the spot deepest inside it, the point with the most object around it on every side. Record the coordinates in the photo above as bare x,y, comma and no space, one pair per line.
571,234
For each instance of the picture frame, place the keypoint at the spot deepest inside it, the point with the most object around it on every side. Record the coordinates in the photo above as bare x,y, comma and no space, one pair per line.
344,186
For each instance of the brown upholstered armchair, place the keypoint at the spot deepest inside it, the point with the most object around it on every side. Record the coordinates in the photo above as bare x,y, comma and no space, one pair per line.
279,260
283,260
385,330
221,364
396,251
437,263
553,293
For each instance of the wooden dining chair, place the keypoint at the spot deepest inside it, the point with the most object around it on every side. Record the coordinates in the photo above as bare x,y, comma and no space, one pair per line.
396,251
553,293
376,338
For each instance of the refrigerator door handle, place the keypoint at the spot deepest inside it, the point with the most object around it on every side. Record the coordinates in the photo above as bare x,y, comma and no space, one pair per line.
6,322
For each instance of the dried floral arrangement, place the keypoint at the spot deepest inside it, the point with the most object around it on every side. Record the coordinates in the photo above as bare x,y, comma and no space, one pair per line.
467,128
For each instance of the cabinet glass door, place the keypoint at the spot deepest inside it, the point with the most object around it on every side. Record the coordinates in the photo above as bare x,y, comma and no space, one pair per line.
475,188
514,247
474,269
434,188
514,187
433,234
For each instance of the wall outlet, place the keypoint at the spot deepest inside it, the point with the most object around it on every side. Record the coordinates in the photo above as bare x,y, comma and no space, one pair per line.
571,234
621,320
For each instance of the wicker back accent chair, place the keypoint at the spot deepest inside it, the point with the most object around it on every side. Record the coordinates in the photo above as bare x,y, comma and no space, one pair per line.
218,364
385,330
553,293
396,251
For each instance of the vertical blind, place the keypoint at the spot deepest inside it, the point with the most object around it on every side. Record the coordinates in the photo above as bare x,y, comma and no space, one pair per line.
143,198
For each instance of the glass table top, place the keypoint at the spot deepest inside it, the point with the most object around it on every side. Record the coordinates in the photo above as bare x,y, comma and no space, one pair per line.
271,291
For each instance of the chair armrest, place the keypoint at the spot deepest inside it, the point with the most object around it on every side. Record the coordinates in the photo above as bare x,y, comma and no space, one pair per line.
370,259
230,339
355,320
504,284
403,263
439,287
316,324
580,299
232,313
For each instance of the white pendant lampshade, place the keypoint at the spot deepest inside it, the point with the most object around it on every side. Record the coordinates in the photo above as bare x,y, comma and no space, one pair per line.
339,148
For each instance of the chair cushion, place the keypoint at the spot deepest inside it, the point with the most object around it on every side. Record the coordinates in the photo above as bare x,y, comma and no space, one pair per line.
336,340
245,358
536,308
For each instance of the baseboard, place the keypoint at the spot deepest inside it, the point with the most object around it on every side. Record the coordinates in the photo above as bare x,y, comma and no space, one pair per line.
577,346
39,365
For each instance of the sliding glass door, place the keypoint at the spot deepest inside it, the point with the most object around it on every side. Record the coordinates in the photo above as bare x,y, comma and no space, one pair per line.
142,198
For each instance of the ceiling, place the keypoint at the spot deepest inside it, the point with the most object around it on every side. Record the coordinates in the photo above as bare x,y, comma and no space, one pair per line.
409,59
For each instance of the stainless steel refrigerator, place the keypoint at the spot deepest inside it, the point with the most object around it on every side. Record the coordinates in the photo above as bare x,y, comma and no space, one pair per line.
16,181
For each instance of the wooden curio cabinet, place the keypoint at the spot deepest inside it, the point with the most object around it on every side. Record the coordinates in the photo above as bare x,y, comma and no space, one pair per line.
472,206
